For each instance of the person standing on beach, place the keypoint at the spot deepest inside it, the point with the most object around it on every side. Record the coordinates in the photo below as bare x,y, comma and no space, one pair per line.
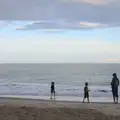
53,89
114,85
86,92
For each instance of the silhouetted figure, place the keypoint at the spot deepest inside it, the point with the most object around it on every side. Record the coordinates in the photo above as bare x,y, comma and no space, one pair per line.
86,92
114,85
53,89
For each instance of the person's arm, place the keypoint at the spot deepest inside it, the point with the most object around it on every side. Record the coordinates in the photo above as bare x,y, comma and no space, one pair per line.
87,89
118,82
111,83
54,87
84,89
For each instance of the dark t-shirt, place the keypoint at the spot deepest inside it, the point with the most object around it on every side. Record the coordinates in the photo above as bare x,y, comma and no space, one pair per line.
85,89
86,92
115,82
52,88
114,85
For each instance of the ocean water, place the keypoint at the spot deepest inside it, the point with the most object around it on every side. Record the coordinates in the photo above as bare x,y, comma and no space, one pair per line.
33,80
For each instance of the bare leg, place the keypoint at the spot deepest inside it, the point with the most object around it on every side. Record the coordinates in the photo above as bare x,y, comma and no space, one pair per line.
114,99
51,96
83,100
54,95
88,99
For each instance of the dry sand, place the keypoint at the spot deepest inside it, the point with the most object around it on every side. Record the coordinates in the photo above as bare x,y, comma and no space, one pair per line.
25,109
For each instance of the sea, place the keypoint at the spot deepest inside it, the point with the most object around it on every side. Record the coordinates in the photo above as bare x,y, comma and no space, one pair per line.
33,81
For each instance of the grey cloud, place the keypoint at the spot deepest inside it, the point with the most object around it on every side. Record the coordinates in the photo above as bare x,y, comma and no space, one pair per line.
93,2
56,9
58,27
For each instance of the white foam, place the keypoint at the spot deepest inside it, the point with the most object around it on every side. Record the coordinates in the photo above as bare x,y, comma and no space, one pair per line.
37,90
60,98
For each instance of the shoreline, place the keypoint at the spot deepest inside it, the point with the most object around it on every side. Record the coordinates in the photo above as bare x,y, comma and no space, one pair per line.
57,101
62,98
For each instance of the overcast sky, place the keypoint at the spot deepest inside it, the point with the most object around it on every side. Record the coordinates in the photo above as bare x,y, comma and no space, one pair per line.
59,31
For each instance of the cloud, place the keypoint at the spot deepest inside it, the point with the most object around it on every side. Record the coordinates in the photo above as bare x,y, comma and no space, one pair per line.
4,24
57,26
93,2
62,14
92,25
113,60
20,28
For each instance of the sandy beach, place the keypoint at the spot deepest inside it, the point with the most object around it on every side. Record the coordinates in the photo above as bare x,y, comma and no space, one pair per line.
26,109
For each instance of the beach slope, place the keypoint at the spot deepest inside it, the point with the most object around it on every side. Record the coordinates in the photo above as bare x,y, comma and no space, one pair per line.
26,109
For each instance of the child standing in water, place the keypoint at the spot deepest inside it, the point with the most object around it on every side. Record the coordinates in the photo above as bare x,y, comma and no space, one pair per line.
86,92
52,89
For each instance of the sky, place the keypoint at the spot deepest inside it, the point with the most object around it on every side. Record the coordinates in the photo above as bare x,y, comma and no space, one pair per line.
59,31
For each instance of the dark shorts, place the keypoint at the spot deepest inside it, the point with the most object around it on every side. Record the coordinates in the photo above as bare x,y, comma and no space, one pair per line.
52,91
115,91
86,95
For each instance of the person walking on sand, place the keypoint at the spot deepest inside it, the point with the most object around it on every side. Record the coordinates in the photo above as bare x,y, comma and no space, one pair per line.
53,89
114,86
86,92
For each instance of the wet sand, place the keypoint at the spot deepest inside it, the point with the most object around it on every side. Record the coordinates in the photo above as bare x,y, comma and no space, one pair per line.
26,109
